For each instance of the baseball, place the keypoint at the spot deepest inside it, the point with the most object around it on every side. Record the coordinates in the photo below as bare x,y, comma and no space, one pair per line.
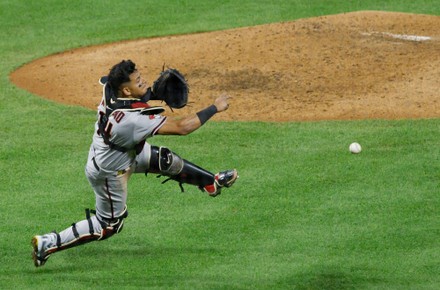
355,148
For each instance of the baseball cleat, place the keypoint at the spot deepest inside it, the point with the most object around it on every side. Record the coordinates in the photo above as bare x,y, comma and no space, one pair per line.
222,179
226,178
39,254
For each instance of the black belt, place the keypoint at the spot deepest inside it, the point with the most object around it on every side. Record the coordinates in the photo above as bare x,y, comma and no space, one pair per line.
95,164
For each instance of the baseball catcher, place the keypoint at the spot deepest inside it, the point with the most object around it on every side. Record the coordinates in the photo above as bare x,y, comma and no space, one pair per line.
125,122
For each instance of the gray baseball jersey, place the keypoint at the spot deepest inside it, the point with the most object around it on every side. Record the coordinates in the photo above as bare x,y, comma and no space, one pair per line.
108,170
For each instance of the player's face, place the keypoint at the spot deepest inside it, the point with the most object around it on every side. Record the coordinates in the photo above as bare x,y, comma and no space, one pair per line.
137,86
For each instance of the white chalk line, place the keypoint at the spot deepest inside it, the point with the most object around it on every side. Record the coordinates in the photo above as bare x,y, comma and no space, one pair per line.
401,36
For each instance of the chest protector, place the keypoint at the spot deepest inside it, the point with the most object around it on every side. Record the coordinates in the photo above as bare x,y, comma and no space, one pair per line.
112,104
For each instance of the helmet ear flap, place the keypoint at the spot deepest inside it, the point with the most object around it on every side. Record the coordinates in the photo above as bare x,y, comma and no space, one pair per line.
103,80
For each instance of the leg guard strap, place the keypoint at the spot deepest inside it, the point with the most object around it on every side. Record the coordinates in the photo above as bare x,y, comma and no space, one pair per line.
75,231
91,230
58,243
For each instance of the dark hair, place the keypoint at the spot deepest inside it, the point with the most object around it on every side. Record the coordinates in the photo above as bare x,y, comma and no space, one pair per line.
120,73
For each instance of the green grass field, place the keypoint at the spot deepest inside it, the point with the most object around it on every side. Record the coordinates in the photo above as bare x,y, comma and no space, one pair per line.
305,213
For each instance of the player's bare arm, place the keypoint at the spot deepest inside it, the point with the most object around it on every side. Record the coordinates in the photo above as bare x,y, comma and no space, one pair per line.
193,122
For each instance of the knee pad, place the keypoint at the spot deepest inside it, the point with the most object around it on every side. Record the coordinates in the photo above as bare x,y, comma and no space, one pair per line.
165,162
112,226
169,162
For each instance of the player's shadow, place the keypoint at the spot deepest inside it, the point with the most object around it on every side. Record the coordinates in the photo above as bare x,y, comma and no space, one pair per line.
326,277
91,257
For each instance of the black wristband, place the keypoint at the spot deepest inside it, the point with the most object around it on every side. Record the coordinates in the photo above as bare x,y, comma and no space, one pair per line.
205,114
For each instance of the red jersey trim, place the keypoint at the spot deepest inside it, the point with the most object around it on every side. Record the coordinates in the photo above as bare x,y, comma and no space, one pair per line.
158,127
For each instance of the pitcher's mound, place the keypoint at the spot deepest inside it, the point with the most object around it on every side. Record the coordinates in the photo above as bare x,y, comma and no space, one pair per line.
348,66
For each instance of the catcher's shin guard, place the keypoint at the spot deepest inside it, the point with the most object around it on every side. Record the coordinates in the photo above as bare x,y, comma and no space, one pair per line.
165,162
88,230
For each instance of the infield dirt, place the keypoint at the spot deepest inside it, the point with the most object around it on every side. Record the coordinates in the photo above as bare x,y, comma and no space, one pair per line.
361,65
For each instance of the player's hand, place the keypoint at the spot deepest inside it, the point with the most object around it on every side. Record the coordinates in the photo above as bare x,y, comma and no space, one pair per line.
221,103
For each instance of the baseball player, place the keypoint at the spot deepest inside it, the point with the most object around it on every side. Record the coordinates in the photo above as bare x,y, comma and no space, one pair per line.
124,123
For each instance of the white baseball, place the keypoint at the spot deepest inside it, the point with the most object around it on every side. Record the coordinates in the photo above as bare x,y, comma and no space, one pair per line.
355,148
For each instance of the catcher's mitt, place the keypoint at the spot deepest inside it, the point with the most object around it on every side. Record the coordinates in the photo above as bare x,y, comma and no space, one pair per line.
172,88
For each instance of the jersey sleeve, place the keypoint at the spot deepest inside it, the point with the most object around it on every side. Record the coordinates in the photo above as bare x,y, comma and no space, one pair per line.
147,126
